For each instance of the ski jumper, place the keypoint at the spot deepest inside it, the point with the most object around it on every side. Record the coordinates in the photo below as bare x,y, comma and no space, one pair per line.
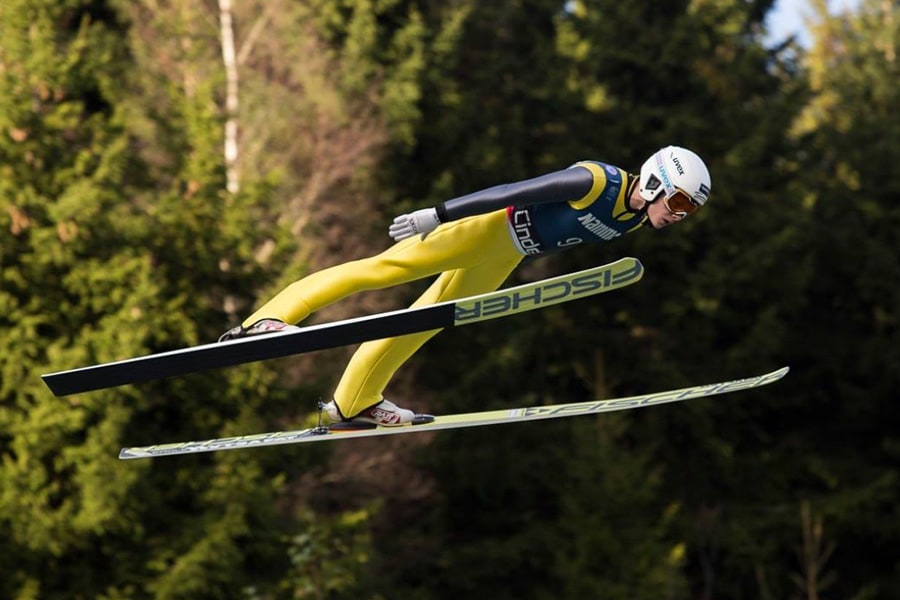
482,238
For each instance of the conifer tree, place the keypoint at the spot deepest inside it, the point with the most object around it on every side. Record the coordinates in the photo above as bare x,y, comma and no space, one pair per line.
116,234
612,82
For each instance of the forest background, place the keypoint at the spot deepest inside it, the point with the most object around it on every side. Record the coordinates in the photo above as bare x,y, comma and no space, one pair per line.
166,165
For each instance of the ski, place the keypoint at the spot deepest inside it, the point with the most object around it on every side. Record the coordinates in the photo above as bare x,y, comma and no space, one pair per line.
501,303
491,417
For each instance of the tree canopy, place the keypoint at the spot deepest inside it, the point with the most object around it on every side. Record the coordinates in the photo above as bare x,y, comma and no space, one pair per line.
167,165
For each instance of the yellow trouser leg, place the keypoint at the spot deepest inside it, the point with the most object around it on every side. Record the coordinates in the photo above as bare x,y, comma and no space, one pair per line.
374,363
453,245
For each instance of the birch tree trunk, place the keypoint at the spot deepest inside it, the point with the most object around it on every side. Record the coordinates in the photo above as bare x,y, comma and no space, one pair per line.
226,26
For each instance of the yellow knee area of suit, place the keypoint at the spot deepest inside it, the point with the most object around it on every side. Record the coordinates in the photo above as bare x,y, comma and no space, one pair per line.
375,363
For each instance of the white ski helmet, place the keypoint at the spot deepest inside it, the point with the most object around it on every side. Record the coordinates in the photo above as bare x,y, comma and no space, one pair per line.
677,175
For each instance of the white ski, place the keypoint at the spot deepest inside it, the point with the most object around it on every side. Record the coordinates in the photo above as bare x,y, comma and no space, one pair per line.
491,417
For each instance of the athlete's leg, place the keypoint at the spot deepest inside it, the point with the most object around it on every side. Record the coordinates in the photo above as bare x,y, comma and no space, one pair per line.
452,245
374,363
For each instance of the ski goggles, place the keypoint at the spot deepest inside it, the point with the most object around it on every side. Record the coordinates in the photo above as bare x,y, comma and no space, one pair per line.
679,203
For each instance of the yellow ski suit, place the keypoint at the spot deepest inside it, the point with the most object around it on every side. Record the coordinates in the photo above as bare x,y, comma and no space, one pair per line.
478,244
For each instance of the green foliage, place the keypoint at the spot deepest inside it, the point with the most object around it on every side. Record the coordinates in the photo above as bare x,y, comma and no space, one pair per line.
117,238
852,298
113,245
328,556
732,291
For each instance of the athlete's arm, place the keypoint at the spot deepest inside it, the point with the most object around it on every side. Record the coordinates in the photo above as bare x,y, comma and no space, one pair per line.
560,186
566,185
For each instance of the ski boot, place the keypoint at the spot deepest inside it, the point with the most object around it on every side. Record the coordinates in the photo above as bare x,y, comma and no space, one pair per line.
383,414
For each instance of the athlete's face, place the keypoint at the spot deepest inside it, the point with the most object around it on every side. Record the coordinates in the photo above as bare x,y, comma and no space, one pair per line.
660,216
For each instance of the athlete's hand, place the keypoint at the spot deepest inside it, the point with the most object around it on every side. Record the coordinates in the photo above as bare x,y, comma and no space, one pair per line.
422,222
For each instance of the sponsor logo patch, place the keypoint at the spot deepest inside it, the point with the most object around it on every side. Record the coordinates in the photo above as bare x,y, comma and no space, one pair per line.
520,220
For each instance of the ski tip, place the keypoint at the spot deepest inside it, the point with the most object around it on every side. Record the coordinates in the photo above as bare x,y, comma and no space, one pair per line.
770,377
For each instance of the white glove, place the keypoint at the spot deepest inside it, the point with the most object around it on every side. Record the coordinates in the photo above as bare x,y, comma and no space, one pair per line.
422,221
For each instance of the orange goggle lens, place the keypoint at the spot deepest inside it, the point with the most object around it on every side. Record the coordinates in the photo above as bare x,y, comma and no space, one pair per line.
680,203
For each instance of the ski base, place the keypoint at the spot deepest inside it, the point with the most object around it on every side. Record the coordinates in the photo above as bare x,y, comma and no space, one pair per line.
492,417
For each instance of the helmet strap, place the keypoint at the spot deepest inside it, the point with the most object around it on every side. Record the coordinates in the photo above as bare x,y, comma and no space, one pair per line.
634,180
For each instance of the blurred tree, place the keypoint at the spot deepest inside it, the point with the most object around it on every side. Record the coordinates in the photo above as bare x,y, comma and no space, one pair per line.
119,236
119,239
534,87
840,442
65,254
